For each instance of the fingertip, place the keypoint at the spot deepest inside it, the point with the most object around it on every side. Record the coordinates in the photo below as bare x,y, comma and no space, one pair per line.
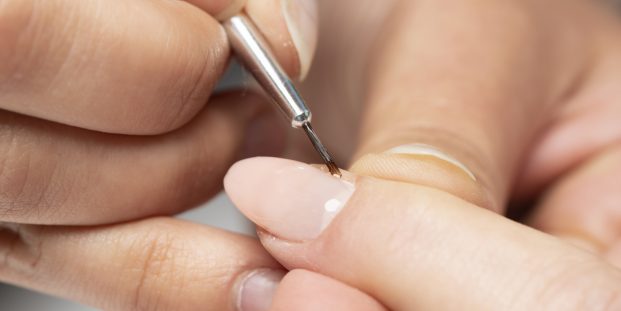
292,200
292,34
304,290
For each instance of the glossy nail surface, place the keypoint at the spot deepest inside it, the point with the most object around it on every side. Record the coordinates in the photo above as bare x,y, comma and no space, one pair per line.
289,199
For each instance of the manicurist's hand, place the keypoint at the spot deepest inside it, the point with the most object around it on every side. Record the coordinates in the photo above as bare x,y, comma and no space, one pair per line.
106,117
467,106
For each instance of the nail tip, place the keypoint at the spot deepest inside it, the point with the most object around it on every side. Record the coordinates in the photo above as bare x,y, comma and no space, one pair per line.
290,199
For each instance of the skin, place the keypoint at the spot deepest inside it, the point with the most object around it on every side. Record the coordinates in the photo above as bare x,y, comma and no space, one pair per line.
104,120
413,247
530,108
115,105
506,101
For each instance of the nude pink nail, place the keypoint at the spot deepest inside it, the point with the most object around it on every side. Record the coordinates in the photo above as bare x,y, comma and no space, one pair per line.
257,289
291,200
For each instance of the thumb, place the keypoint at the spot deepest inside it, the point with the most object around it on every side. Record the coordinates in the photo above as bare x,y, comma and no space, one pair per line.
413,247
478,101
290,27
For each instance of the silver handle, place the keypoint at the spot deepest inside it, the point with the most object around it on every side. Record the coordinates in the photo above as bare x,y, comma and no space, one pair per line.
253,51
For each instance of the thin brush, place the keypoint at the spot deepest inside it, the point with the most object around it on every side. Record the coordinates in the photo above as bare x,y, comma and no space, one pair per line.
252,50
321,149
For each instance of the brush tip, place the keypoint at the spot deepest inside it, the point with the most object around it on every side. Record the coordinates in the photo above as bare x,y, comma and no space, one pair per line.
321,149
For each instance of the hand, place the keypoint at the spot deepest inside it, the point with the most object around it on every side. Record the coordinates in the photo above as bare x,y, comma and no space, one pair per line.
411,247
104,120
475,105
120,82
520,94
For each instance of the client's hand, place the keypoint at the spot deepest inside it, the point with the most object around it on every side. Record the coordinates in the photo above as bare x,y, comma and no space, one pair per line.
103,119
466,104
411,247
492,101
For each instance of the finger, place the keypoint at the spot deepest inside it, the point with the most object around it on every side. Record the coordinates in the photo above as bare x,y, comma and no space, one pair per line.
263,290
413,247
54,174
302,290
289,26
587,128
149,72
584,205
478,102
162,264
293,37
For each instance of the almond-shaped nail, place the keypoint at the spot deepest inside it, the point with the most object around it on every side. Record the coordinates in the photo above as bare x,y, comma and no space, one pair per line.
302,21
291,200
256,289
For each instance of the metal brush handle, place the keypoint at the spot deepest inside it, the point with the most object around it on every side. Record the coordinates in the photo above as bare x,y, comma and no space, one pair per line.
253,51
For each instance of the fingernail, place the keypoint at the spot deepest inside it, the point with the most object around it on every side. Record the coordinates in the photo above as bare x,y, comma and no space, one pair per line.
430,151
257,288
289,199
302,21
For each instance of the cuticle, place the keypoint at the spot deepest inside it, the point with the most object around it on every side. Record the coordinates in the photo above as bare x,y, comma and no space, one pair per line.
264,234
